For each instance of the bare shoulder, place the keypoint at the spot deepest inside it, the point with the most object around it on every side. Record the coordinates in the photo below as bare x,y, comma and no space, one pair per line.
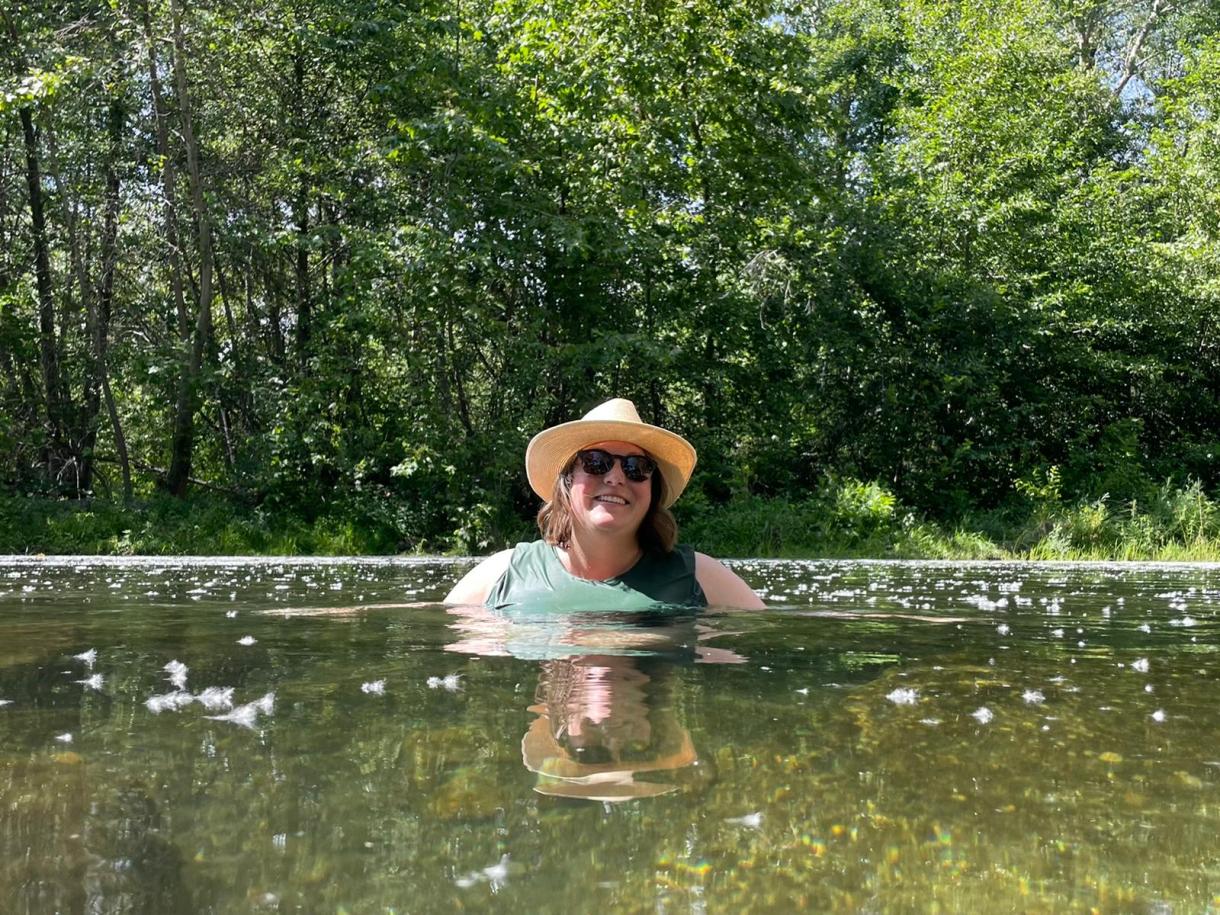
723,587
475,585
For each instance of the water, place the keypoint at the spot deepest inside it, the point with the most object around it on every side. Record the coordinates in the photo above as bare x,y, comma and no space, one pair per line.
891,737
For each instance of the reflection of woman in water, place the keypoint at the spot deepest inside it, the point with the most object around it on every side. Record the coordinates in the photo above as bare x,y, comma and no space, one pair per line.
608,539
604,699
603,720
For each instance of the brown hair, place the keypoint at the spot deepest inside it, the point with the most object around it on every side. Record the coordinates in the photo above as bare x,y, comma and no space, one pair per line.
658,531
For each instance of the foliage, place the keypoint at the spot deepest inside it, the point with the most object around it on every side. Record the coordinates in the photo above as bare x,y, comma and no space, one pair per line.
966,253
844,518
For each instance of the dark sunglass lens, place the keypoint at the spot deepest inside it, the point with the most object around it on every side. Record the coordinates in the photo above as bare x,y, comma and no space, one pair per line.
596,463
637,467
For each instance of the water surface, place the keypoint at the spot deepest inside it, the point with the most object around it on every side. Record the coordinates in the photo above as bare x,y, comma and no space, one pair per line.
228,736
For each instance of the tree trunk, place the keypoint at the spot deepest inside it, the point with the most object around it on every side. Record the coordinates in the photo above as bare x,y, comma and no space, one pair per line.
102,303
458,384
183,441
48,340
304,301
226,299
75,287
301,218
242,397
168,177
55,451
275,316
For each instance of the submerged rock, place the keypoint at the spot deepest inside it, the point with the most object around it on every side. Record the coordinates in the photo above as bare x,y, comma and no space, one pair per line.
469,793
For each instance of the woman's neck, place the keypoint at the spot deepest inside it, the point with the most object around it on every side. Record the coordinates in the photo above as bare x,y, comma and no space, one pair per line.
600,558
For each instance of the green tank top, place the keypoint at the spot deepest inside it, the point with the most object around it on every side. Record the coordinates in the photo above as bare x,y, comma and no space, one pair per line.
536,579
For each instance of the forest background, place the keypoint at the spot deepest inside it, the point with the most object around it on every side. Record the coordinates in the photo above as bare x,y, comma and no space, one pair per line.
917,278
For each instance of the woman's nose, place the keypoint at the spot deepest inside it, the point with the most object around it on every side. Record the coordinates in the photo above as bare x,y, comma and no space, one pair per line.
616,474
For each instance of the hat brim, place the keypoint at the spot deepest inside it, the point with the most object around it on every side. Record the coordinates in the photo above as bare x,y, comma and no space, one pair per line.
543,755
551,449
608,792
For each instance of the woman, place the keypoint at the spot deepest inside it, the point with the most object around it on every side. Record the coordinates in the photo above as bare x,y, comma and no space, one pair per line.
608,539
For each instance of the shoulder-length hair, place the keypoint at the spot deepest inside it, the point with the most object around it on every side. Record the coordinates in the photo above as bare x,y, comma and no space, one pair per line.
658,531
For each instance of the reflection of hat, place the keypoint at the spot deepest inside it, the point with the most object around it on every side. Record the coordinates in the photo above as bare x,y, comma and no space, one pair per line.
562,776
614,421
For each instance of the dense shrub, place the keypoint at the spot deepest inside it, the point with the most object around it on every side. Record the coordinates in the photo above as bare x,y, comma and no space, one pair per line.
842,518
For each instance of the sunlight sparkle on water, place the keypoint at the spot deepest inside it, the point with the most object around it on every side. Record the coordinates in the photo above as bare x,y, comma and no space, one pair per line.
215,698
496,875
246,716
749,820
168,702
177,673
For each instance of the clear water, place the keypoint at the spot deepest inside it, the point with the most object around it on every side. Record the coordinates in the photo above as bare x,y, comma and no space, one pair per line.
890,737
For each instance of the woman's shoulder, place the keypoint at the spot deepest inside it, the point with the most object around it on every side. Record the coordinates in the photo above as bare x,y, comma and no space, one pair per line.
476,584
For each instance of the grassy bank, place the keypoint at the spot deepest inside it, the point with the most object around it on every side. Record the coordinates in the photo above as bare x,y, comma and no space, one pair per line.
845,518
855,520
204,526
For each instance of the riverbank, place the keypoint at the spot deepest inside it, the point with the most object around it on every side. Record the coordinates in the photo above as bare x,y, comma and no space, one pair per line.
847,520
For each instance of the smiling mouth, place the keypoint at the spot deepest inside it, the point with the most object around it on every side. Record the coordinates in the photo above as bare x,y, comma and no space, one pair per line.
612,500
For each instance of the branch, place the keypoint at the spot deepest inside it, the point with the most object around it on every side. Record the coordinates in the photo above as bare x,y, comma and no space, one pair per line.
1131,61
161,473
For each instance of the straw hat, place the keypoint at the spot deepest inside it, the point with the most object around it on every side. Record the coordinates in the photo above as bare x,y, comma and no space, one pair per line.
614,421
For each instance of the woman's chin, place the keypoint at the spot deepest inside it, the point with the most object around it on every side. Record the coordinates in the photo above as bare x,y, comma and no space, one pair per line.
606,517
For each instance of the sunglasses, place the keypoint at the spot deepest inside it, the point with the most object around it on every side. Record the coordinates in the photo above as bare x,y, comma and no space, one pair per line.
597,463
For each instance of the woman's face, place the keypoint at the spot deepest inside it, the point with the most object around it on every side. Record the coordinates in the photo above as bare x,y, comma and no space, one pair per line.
610,503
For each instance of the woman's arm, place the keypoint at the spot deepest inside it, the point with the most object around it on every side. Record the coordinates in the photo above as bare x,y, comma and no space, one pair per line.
722,587
477,583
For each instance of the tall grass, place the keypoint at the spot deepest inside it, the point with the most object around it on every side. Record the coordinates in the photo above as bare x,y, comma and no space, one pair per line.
166,526
1178,523
843,518
848,518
